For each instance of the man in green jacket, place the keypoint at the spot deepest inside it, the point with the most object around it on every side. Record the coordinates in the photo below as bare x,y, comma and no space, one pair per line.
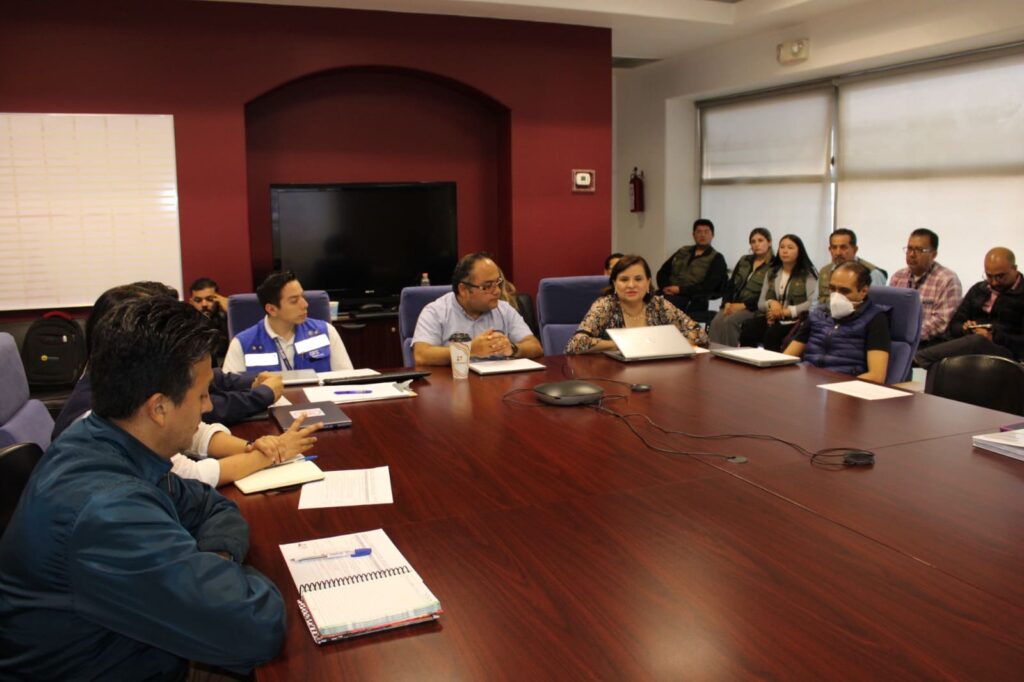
695,273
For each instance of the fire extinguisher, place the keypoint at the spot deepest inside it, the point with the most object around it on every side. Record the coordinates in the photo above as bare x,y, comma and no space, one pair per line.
636,191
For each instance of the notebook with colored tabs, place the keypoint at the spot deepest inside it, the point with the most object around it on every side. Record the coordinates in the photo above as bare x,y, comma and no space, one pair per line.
357,584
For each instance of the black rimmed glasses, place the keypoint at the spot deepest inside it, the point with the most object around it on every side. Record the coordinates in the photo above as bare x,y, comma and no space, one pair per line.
486,286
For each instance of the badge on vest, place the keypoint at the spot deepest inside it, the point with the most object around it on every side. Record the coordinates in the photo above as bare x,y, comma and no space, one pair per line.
311,344
261,359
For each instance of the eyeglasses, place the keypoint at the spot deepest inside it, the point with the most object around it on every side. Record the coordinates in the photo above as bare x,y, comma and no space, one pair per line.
486,286
917,249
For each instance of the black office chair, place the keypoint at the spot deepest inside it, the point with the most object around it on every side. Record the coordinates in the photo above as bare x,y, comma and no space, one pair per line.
525,305
16,464
983,380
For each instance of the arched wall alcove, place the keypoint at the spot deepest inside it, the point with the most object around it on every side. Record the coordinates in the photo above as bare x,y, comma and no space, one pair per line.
382,124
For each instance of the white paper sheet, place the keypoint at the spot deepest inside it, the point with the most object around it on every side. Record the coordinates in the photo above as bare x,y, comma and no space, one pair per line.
348,489
356,393
864,390
281,402
503,366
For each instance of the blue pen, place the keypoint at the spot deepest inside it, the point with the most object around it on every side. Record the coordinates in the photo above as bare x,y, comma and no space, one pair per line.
347,554
360,392
307,458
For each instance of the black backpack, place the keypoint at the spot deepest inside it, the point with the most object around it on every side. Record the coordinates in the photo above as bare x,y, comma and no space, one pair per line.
53,352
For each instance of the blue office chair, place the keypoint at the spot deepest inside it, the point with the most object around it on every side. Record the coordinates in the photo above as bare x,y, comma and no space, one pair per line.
562,302
21,420
244,310
904,328
410,303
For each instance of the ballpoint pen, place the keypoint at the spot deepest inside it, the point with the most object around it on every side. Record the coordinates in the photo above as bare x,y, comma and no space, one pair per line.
307,458
347,554
359,392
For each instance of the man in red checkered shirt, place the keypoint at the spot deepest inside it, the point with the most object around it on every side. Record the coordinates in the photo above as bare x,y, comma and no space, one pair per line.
939,286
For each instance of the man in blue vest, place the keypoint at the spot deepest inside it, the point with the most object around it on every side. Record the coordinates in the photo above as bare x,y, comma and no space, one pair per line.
287,338
851,333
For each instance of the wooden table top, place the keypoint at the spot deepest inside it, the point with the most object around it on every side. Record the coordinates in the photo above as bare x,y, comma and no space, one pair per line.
560,546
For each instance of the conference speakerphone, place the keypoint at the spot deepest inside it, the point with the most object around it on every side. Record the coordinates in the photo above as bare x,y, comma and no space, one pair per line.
567,393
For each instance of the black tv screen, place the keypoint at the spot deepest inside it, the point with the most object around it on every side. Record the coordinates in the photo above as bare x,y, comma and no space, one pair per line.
364,242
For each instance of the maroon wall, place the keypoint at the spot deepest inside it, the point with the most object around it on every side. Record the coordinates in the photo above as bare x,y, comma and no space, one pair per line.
380,126
204,62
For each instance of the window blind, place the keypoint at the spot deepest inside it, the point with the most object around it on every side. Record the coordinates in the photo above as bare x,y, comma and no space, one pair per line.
941,148
766,162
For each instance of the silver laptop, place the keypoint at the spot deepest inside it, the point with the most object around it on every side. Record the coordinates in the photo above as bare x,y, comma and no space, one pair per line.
297,377
759,357
649,343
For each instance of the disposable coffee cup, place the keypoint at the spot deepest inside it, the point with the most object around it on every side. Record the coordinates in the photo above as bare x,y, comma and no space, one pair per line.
458,346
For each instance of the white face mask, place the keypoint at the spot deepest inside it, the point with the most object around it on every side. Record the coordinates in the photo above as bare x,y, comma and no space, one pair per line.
839,306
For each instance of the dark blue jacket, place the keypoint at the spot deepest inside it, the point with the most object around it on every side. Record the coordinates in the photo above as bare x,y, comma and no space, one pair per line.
108,569
840,345
256,340
232,395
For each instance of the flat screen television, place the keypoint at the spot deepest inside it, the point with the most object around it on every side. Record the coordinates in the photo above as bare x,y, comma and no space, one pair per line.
364,242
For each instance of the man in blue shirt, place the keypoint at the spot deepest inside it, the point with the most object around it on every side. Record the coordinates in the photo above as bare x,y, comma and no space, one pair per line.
287,338
113,568
473,307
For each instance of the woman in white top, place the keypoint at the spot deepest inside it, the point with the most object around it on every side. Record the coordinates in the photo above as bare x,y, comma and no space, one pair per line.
217,458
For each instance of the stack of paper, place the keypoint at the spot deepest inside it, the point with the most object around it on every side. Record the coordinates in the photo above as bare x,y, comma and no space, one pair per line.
1009,443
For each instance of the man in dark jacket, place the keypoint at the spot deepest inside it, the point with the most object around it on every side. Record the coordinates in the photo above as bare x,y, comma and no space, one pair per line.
234,397
111,567
990,319
695,273
850,334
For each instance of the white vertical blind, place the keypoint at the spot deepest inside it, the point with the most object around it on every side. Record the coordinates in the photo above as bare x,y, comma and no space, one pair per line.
941,148
766,163
86,202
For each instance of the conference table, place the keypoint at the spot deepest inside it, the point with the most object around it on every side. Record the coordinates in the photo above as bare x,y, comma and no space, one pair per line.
561,546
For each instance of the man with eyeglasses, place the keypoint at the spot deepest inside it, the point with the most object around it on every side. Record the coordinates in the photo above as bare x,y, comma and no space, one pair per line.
990,319
842,247
473,307
939,286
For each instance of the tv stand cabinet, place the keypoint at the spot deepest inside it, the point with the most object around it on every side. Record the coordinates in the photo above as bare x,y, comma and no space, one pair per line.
371,339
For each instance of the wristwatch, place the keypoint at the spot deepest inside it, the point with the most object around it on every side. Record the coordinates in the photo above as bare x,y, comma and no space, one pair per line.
515,348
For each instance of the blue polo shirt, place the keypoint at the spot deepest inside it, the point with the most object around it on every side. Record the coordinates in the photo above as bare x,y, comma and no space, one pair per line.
442,318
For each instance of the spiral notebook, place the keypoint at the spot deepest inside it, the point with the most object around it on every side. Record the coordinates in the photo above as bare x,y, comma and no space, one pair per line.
356,584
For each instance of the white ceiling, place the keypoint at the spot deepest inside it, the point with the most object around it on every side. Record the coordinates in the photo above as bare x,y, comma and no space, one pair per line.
648,29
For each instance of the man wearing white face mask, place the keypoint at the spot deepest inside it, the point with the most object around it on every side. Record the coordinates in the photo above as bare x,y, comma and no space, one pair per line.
850,334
